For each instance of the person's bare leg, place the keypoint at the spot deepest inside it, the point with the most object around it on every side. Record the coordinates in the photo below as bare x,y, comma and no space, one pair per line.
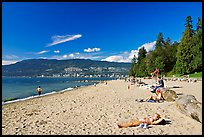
148,98
130,124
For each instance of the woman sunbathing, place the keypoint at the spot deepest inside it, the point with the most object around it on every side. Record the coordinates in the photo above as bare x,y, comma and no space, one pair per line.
153,120
158,98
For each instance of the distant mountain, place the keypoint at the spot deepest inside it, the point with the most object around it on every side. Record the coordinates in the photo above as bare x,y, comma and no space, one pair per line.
71,67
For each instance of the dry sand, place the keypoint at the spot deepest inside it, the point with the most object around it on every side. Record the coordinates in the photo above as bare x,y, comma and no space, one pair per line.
97,110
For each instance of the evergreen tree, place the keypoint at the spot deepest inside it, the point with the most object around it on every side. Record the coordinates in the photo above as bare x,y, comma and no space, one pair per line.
150,64
197,48
141,54
172,50
184,54
159,53
133,65
167,42
199,25
160,41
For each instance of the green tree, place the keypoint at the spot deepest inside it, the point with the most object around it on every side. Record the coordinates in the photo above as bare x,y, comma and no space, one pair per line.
184,54
141,54
167,42
159,53
160,41
150,62
133,66
197,48
159,63
199,25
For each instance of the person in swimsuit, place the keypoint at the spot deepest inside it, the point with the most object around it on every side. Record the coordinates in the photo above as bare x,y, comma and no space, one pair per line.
152,120
158,97
39,90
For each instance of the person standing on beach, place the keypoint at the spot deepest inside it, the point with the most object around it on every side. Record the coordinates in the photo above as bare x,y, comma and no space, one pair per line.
155,76
39,90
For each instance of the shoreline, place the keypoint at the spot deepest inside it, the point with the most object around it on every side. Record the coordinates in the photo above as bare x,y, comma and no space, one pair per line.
96,110
51,93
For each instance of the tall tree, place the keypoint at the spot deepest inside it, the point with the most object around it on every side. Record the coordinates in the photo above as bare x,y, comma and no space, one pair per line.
159,53
160,41
141,54
150,61
199,25
133,66
197,48
184,54
167,42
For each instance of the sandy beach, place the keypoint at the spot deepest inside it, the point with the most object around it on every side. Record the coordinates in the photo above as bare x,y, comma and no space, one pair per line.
95,110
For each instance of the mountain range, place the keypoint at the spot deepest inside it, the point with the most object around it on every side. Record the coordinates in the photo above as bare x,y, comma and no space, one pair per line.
70,68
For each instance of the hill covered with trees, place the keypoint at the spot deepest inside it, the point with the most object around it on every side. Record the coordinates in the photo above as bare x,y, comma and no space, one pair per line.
71,67
182,57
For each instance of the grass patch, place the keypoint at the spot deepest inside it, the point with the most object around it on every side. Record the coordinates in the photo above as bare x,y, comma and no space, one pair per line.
193,75
171,75
196,75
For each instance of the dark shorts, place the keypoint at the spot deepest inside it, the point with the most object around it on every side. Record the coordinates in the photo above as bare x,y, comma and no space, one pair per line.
39,93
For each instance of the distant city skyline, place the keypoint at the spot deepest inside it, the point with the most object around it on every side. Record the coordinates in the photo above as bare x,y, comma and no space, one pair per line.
106,31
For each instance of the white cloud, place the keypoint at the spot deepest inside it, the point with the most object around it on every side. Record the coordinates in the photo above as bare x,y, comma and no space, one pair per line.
56,51
64,56
116,59
92,49
8,62
127,56
78,55
148,46
71,56
131,54
11,57
42,52
62,39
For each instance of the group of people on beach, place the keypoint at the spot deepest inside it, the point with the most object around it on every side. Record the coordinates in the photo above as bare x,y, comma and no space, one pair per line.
156,118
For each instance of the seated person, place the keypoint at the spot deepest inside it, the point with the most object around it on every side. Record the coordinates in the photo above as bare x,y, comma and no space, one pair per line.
161,84
153,120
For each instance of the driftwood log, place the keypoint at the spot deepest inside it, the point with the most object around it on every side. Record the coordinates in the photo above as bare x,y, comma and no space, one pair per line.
189,106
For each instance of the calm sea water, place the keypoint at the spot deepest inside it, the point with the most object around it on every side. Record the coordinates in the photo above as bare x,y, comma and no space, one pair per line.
21,88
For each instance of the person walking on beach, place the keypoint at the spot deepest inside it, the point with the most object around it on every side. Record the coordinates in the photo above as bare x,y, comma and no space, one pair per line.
39,90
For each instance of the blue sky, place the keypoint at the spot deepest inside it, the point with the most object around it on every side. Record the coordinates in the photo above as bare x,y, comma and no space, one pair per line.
111,31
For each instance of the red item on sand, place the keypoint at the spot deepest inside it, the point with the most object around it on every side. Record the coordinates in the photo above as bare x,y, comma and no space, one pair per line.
158,90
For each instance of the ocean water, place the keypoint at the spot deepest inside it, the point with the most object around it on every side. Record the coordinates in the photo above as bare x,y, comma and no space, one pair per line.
16,88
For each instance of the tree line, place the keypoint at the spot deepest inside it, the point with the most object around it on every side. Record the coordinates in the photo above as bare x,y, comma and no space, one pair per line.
182,57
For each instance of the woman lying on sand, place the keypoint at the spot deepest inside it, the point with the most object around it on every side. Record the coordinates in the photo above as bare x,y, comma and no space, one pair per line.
153,120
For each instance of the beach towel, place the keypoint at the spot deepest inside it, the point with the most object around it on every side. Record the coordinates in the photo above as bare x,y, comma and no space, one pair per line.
151,100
